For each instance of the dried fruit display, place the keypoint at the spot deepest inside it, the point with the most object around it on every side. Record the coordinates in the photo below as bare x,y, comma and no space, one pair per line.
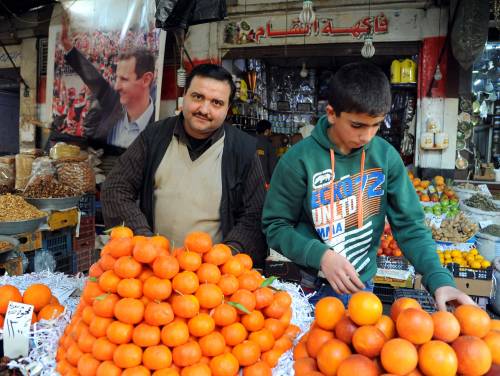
458,229
15,208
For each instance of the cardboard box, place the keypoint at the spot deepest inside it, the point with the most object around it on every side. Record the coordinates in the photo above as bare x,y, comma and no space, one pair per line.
473,287
401,283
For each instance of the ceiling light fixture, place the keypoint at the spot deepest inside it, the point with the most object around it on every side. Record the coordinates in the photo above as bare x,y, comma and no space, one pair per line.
307,15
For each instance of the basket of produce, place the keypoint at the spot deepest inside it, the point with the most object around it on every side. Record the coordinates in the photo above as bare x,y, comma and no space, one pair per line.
481,209
17,216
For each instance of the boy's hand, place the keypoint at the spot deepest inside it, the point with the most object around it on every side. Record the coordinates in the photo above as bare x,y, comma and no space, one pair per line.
340,273
446,294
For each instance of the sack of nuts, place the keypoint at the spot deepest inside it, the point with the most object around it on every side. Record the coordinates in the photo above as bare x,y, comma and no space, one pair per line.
76,174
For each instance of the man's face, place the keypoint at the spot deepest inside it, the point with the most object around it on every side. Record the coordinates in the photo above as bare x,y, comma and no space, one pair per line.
353,130
131,88
205,106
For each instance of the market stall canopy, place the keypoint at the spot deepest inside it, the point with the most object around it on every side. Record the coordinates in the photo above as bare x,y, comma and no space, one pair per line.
172,14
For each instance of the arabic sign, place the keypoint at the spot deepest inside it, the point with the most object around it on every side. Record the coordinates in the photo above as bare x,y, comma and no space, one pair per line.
386,25
17,329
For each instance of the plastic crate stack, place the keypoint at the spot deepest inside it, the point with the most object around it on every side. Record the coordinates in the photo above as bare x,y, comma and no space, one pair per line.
58,244
84,236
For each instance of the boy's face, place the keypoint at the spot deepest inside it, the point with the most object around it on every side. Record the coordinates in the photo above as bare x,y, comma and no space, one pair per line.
352,130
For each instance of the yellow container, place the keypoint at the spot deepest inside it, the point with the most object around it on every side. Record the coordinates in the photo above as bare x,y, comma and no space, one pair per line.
395,72
62,219
408,71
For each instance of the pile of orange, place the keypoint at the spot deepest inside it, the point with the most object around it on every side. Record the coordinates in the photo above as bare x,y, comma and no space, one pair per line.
193,311
46,306
360,340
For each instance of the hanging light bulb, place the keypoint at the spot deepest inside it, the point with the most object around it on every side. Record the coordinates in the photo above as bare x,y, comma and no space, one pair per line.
307,15
368,49
181,77
438,75
304,72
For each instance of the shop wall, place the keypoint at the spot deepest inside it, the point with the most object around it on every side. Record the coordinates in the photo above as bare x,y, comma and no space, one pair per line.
28,108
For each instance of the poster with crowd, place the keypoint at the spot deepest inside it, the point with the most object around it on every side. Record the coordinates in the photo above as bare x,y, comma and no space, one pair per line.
104,69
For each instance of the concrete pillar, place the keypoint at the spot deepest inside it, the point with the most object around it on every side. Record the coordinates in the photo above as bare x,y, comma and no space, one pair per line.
28,106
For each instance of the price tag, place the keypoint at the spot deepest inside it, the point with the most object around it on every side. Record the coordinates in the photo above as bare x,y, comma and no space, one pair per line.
483,188
484,224
16,329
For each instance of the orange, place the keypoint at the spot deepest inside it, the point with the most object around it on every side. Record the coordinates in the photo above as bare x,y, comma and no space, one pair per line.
145,335
415,325
108,281
331,354
300,351
446,326
156,288
121,232
119,247
283,298
399,356
187,354
249,281
104,305
108,368
119,333
263,297
73,354
492,339
437,358
247,353
386,326
401,304
165,266
292,331
368,340
275,326
233,266
127,267
185,306
145,252
85,342
316,339
130,288
328,312
38,295
253,321
473,354
473,320
199,369
50,311
161,242
264,338
224,314
91,291
185,282
224,365
175,334
157,357
245,260
127,355
234,333
189,261
304,365
357,364
99,325
212,344
283,344
345,329
209,295
271,357
229,284
201,325
495,325
218,255
365,308
258,369
158,313
136,371
106,262
103,349
197,241
245,298
208,273
87,365
95,270
129,311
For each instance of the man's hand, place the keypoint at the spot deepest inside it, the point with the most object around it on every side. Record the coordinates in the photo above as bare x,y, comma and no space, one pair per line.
446,294
65,40
340,273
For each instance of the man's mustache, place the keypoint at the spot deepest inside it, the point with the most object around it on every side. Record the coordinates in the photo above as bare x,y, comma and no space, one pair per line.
199,114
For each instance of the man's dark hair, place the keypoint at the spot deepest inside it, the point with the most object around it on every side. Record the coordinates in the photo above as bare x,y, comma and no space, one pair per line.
215,72
262,126
360,88
144,60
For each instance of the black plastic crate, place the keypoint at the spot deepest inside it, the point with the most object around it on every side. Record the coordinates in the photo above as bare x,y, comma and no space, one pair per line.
64,264
87,204
463,272
392,262
384,292
59,244
423,297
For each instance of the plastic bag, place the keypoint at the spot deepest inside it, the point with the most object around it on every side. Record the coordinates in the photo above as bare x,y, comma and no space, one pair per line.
43,182
63,150
77,175
7,178
24,163
44,260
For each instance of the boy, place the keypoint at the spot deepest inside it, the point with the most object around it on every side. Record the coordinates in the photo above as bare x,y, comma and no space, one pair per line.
341,240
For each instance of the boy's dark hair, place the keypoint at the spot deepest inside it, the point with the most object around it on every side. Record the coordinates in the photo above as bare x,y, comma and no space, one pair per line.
262,126
360,88
212,71
144,60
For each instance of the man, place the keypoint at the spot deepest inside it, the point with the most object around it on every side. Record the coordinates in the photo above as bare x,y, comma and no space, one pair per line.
192,172
265,149
125,109
331,192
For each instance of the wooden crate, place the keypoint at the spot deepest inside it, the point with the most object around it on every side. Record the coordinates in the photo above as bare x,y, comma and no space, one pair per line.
29,241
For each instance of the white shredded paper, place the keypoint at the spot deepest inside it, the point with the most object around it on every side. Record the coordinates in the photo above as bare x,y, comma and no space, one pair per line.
44,336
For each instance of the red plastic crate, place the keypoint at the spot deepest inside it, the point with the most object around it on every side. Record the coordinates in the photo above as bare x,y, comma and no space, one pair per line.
84,249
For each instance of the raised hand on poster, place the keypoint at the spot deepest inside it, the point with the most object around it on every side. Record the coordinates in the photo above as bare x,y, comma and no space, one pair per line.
65,39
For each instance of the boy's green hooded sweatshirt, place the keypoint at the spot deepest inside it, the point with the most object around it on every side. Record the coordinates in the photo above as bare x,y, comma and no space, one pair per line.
299,221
